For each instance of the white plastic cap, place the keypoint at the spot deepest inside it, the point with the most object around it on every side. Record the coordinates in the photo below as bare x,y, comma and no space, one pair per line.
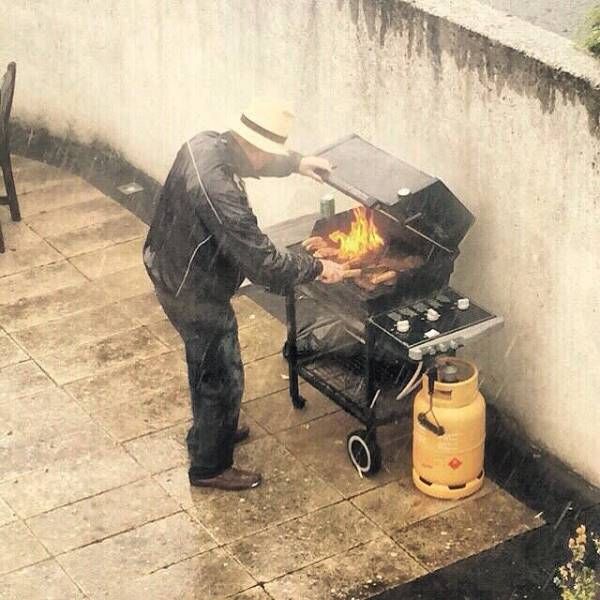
463,303
402,326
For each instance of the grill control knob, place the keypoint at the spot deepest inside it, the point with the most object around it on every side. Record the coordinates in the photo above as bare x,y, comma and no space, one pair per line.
415,354
432,314
403,192
442,347
402,326
463,304
453,345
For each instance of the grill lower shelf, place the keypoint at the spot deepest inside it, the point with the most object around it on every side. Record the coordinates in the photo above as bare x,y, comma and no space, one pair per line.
342,379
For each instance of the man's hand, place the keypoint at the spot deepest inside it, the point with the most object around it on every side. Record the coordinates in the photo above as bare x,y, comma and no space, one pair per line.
314,167
332,272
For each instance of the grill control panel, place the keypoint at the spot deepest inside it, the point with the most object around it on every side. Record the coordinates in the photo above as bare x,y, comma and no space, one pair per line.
437,324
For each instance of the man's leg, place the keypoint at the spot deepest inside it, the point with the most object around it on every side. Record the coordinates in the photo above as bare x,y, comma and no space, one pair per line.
216,380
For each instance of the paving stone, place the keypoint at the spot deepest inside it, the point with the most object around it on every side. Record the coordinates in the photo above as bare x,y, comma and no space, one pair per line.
322,445
44,415
40,253
10,353
395,442
137,379
7,514
265,376
33,310
162,450
117,560
167,334
255,593
43,581
39,281
261,339
268,456
54,224
468,529
276,412
101,516
359,573
247,311
145,308
36,175
37,180
27,453
98,236
69,480
304,541
22,379
76,362
20,163
109,260
60,334
399,504
65,192
18,547
233,516
18,235
43,428
127,283
127,420
214,575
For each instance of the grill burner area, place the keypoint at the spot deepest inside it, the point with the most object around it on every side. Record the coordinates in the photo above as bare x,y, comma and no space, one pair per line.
355,241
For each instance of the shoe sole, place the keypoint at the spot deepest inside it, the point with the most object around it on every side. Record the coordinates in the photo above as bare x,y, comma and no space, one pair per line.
237,488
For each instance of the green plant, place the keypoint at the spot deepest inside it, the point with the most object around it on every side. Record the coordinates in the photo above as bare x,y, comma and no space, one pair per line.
590,32
576,580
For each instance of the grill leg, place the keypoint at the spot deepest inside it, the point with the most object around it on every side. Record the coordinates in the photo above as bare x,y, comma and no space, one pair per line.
292,349
369,383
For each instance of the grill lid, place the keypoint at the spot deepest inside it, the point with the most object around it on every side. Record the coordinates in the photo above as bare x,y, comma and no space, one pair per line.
374,178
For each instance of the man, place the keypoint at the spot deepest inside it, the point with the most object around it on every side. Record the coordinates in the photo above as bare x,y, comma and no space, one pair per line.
203,242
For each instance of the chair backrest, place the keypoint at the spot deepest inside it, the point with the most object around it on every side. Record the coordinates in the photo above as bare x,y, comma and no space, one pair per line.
7,90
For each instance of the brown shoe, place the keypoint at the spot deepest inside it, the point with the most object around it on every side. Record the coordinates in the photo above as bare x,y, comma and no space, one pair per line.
241,434
233,480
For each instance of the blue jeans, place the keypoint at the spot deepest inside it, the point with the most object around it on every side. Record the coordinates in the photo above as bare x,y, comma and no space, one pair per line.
216,379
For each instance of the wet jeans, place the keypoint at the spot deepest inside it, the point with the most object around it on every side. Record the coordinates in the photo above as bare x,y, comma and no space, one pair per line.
216,379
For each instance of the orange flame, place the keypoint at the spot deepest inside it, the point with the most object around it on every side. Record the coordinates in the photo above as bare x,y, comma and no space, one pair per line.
362,238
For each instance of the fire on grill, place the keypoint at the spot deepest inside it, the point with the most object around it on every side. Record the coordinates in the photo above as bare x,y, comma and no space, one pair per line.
359,245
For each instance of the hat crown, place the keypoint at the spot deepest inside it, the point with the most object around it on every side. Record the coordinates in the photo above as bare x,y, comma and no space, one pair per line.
273,116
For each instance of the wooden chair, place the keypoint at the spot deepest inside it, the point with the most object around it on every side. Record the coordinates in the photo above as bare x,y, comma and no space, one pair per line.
7,90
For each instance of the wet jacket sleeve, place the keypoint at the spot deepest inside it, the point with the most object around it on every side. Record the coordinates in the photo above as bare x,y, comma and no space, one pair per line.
282,166
235,227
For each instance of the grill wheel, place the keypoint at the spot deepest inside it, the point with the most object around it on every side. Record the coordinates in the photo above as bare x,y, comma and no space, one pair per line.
364,452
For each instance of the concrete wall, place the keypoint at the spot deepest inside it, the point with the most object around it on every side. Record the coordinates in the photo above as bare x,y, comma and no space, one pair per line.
505,113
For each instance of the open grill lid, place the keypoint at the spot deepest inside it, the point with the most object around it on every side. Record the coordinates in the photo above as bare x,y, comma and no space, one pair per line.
425,206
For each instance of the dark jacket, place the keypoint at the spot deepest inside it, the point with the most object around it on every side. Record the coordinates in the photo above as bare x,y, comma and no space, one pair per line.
204,239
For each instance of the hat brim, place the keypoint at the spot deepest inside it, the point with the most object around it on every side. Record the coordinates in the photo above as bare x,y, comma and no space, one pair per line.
261,142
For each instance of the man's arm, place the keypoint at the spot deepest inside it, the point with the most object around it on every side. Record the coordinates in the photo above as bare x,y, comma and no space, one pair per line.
282,166
314,167
230,219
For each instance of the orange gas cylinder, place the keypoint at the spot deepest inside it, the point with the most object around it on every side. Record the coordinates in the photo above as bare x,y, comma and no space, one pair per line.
449,431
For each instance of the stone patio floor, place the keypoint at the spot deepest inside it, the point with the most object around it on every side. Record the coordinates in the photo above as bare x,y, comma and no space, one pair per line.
94,498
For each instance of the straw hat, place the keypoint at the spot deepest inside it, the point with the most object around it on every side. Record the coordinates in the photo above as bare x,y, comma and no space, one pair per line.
265,124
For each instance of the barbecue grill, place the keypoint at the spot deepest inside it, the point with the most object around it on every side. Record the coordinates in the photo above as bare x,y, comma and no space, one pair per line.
362,344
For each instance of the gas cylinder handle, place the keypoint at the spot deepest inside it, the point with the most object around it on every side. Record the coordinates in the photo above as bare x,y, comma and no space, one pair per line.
422,417
437,429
